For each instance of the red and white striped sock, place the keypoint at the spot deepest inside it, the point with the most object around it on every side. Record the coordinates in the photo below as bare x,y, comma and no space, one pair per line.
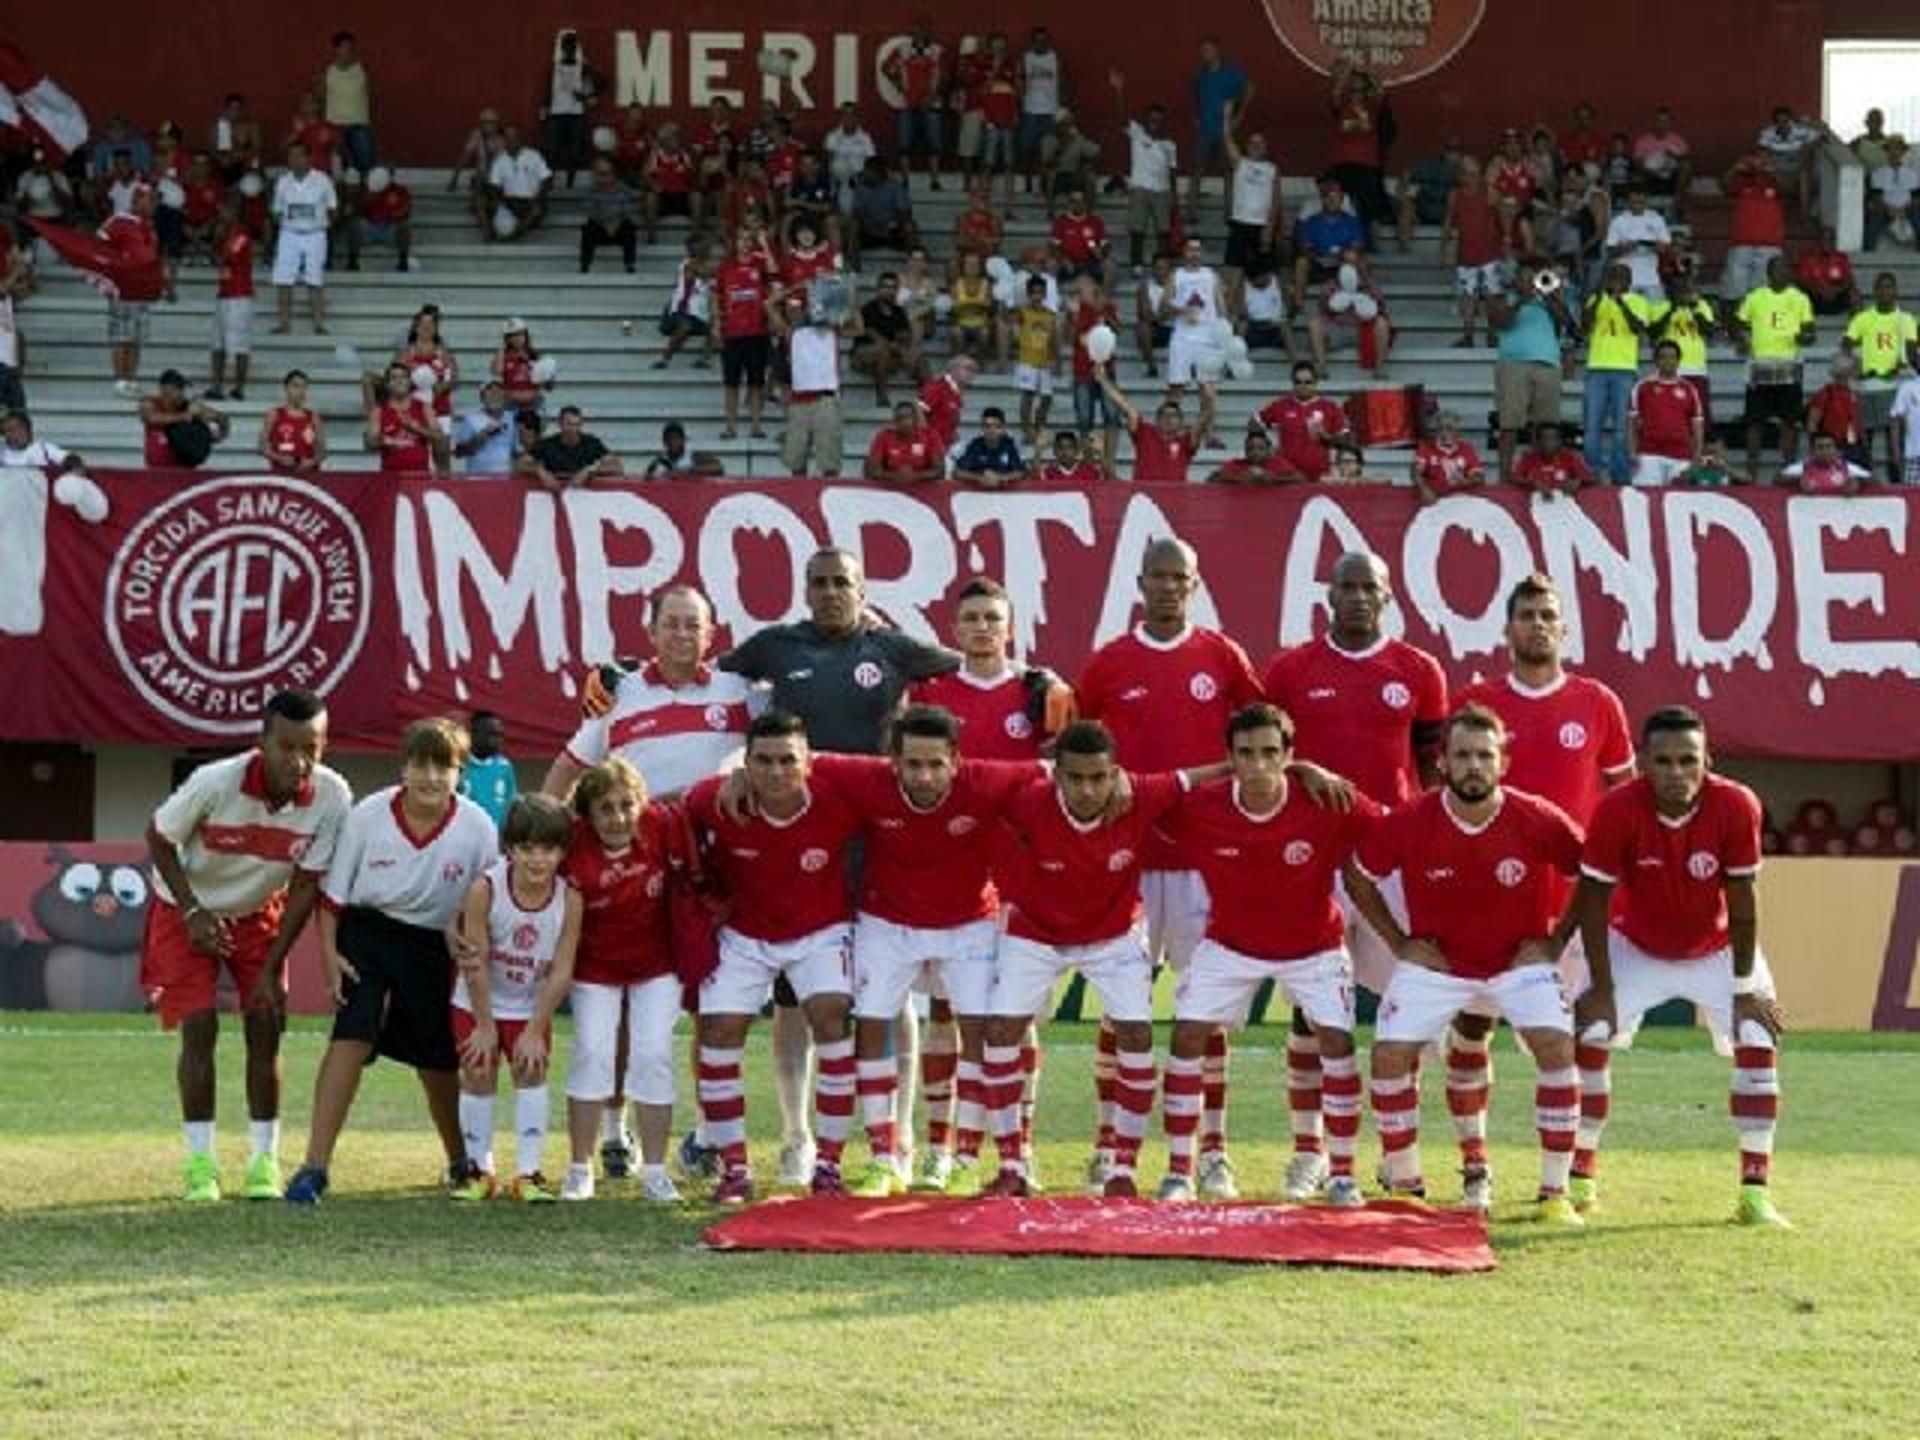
1030,1088
723,1104
1303,1093
1213,1129
1002,1075
1106,1052
833,1088
1133,1106
1755,1105
970,1122
1596,1095
1469,1078
1180,1111
939,1063
1340,1099
876,1082
1396,1115
1556,1115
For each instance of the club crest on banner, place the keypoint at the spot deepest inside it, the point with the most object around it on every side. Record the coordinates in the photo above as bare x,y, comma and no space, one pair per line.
1397,40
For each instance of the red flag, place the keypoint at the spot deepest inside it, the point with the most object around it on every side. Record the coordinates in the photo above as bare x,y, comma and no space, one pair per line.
31,101
122,261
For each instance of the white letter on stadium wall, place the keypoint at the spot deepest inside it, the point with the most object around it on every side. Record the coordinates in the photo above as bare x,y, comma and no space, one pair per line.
1303,584
1486,524
1023,556
1810,519
643,77
1571,542
890,93
904,598
720,563
1143,521
1689,517
801,49
410,590
535,581
591,514
706,67
846,69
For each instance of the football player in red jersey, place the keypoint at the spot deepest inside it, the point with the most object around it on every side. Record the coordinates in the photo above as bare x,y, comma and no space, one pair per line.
1166,690
1681,845
1481,867
1372,708
1568,742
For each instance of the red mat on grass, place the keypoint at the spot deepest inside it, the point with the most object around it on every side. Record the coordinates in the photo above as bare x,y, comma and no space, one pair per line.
1387,1235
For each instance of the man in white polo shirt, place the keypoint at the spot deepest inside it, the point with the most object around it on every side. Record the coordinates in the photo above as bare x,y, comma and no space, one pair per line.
517,185
238,851
304,204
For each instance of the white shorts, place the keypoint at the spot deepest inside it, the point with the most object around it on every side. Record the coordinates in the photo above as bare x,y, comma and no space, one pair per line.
1421,1003
889,958
1220,985
1642,982
1193,359
1470,281
653,1006
1177,906
742,983
299,255
1027,971
1656,472
1032,380
233,325
1574,977
1372,962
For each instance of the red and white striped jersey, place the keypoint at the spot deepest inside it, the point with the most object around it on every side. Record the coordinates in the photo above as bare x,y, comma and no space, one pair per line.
674,735
238,850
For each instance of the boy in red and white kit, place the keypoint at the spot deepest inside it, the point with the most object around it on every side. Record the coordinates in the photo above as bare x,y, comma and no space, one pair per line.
1446,464
1682,846
401,429
1165,691
1269,855
1480,867
624,846
233,303
528,920
784,870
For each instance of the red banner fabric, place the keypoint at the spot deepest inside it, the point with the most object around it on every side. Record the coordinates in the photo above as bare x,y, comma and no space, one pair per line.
1792,621
1386,1235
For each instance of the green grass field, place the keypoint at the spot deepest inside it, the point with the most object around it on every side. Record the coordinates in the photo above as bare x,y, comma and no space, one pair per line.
389,1312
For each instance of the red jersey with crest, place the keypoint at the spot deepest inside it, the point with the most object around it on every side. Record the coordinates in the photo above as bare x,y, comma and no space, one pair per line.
402,451
742,289
202,202
388,206
670,171
1160,459
1478,893
1445,468
1167,702
1270,878
798,267
1354,710
915,68
1069,883
236,266
1084,318
1081,472
994,724
940,401
784,879
1672,873
1300,426
927,869
623,919
893,451
1557,473
1563,739
1079,237
292,437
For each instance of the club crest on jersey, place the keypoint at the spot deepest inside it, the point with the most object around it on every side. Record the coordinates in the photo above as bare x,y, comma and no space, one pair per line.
716,717
656,885
1703,865
525,937
1298,852
452,872
1119,860
1017,726
867,675
1203,687
962,825
813,859
297,848
1573,735
1510,872
1396,695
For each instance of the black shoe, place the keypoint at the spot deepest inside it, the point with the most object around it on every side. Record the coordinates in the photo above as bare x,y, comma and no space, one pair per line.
616,1159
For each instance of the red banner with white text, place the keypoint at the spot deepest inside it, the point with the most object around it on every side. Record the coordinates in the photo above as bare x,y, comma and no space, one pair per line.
1792,621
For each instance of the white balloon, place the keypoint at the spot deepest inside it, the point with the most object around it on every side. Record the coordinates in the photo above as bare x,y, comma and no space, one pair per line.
1241,369
40,188
66,490
347,355
545,370
504,224
1006,293
1220,331
171,194
379,178
1365,306
93,503
424,378
1340,301
604,140
943,304
778,63
1349,277
998,269
251,184
1101,343
1236,348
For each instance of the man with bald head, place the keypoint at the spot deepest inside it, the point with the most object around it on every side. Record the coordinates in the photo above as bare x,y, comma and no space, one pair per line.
1165,690
1374,709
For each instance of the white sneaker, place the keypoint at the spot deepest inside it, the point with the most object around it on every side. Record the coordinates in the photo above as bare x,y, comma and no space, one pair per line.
796,1164
1306,1177
1476,1188
936,1169
1034,1187
578,1184
1175,1189
657,1188
1216,1177
1099,1171
1343,1193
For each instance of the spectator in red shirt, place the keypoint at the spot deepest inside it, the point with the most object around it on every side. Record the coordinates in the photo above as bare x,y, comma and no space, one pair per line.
976,230
1583,147
200,192
669,182
233,304
1078,240
1827,471
998,89
1834,410
716,147
942,398
311,129
292,439
400,427
1759,225
1305,423
1470,236
918,69
179,432
1257,464
517,367
384,216
632,144
1358,159
1068,465
1162,451
1667,423
907,452
1826,274
1446,464
1547,468
1086,307
742,288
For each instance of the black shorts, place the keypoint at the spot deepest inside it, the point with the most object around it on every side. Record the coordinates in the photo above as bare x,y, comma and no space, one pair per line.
743,360
1784,403
402,1002
1247,247
673,202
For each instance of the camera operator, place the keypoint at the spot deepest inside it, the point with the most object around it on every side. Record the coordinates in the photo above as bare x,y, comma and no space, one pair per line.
1530,320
